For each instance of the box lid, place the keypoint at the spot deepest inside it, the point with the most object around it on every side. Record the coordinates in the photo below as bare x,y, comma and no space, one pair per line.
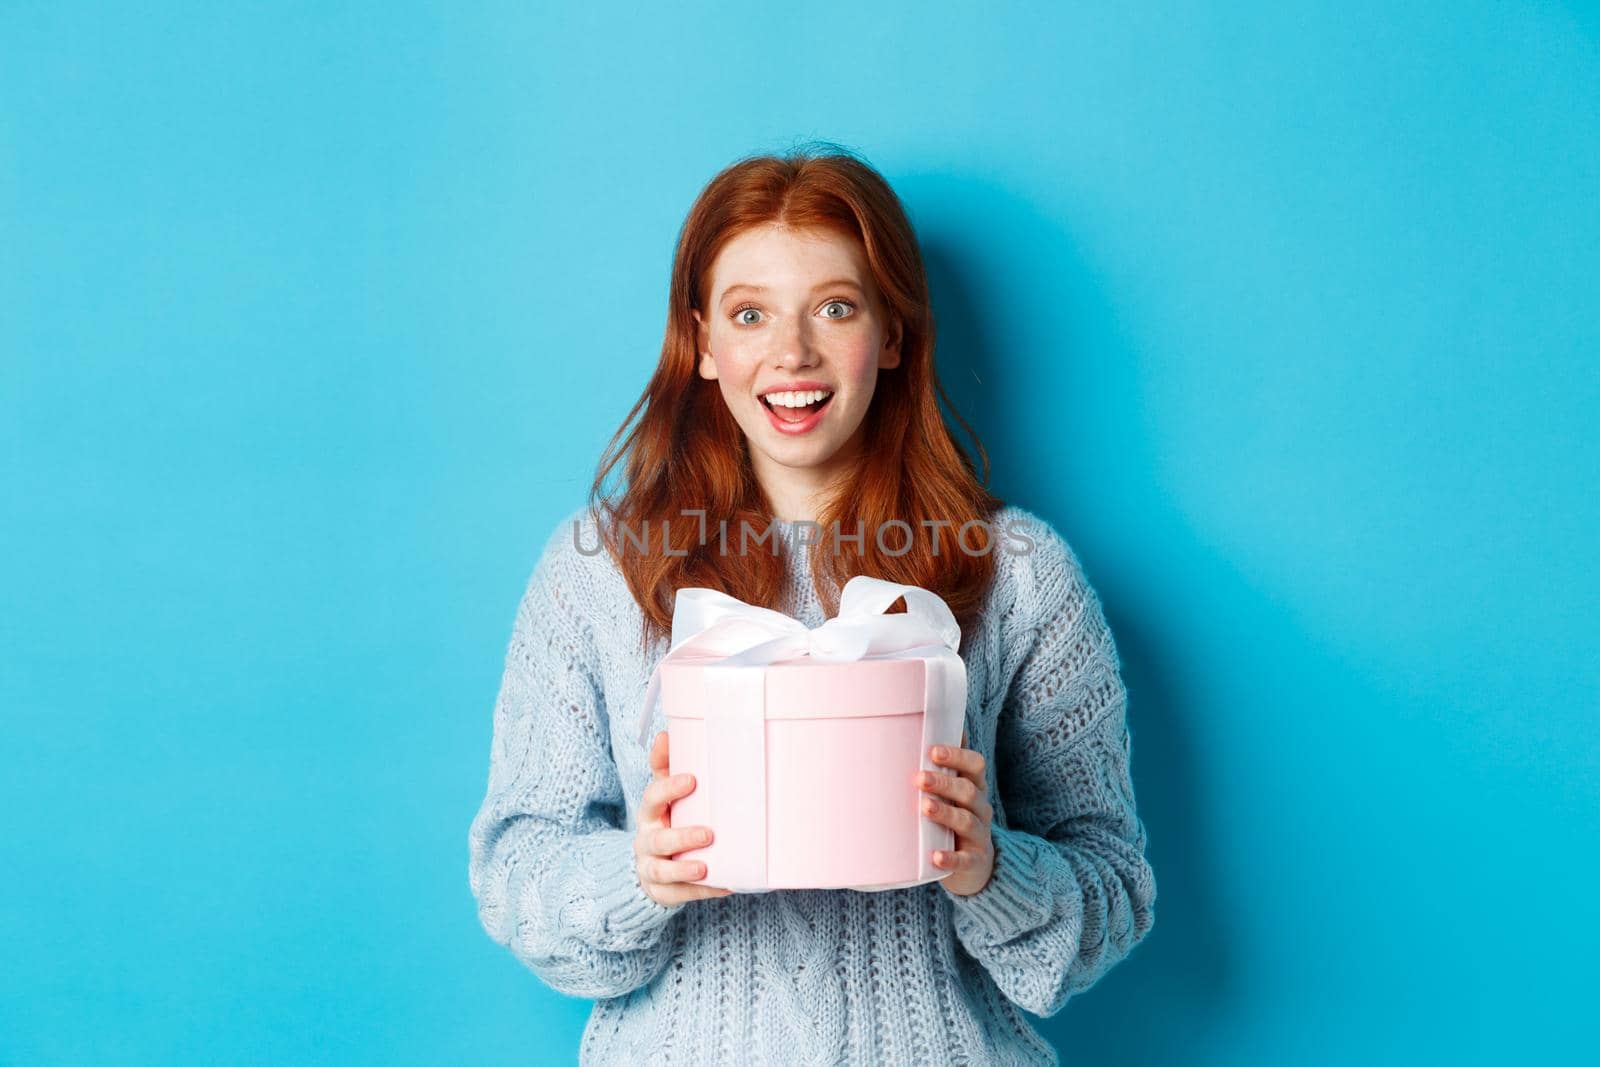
805,688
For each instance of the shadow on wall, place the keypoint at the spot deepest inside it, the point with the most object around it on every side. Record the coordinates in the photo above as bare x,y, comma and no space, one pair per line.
1025,284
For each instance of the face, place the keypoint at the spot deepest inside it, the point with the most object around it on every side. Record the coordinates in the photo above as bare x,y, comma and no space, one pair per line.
794,333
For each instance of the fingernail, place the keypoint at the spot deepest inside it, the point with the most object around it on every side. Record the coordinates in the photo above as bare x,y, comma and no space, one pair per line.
928,806
940,752
701,837
925,778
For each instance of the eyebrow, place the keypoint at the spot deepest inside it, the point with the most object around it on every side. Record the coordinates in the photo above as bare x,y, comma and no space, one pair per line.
833,284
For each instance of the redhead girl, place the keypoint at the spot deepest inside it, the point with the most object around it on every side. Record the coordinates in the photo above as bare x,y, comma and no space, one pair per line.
796,398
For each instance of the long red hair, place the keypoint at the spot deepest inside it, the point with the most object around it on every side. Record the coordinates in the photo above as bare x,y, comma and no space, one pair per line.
687,452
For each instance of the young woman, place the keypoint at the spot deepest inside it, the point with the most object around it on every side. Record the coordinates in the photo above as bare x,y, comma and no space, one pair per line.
796,396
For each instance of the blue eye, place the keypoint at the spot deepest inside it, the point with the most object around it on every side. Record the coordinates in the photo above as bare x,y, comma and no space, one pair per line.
738,312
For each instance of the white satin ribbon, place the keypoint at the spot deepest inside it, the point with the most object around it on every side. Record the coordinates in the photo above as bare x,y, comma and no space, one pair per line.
711,623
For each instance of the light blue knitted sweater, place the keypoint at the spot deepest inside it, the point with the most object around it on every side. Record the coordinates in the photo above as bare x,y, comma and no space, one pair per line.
907,976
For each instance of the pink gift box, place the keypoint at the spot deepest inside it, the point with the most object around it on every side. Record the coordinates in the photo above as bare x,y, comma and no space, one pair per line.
806,766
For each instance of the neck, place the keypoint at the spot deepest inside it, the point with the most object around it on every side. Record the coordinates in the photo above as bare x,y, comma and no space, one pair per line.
794,500
796,494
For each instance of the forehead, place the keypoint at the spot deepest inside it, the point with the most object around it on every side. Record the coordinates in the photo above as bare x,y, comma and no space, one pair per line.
778,257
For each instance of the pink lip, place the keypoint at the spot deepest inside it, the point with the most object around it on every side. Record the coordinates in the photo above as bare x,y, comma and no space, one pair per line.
804,426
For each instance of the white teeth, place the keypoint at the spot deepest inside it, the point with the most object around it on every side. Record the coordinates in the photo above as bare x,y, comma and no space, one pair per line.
798,400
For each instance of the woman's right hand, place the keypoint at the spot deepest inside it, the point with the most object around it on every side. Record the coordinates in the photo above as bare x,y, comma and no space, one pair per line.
666,880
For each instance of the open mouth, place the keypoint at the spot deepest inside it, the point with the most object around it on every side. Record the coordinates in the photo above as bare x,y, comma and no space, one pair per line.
797,412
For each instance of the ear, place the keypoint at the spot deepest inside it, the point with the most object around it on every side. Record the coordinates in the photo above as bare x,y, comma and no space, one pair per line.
705,364
890,356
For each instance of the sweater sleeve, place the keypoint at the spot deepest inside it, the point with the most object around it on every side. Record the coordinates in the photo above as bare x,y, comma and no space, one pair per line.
551,862
1071,892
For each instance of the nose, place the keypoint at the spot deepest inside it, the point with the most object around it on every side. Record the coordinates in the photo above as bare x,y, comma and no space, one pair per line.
795,349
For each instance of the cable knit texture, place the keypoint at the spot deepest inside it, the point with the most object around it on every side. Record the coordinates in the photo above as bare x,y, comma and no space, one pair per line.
908,976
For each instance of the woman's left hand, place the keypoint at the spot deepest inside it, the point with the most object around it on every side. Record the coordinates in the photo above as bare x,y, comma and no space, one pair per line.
961,802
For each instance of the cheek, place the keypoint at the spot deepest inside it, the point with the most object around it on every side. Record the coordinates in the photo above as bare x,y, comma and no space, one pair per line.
857,363
737,363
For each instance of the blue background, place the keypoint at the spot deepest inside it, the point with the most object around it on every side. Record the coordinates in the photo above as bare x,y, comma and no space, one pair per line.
314,319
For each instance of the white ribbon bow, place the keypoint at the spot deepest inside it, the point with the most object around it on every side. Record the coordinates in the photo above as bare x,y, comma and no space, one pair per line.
710,622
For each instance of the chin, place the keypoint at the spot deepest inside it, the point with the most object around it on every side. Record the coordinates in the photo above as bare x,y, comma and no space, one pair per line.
808,455
797,452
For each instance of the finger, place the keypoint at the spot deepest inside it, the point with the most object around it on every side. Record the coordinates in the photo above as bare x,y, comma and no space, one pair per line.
658,755
966,761
659,795
962,791
663,871
681,892
669,841
959,860
959,819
